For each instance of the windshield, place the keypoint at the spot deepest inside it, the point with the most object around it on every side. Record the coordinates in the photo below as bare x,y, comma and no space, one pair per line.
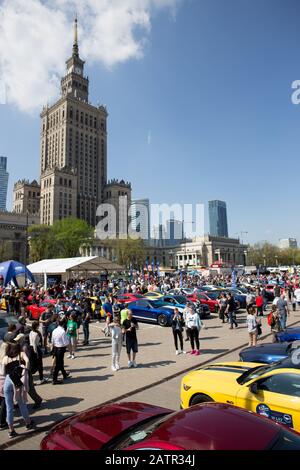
213,295
256,372
181,299
137,433
157,303
286,441
243,290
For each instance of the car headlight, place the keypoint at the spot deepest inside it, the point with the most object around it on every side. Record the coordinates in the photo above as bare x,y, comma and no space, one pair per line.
186,387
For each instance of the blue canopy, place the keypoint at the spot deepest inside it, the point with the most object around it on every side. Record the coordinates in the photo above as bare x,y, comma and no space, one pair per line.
9,270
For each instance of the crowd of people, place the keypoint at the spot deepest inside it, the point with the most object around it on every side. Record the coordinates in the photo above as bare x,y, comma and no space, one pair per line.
57,330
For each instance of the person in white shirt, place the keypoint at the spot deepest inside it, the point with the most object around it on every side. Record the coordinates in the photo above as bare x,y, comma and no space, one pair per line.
252,326
60,341
116,343
194,325
297,295
36,341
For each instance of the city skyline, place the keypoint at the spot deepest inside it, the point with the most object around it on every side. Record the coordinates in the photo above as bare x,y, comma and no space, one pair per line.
144,128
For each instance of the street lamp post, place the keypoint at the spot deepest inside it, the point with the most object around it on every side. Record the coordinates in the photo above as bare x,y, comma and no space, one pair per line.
26,247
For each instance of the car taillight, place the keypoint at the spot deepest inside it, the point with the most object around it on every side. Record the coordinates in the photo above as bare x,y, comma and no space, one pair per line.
186,387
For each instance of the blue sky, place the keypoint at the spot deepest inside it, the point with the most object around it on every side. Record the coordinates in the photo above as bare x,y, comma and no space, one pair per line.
213,91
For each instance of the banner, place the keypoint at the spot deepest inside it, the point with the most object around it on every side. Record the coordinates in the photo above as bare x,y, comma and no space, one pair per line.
233,279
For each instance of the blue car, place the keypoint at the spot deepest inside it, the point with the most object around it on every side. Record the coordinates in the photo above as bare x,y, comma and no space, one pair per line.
151,311
290,334
180,301
266,353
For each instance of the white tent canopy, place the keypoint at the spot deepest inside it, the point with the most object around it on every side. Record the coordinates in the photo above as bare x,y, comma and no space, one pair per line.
66,266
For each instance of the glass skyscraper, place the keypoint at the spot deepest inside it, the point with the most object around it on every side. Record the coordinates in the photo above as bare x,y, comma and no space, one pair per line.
218,218
3,183
140,217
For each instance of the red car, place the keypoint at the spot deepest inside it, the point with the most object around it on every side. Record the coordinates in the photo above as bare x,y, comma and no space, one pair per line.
204,299
127,298
138,426
34,311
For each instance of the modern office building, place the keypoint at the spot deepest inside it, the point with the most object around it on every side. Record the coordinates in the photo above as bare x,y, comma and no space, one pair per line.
140,218
175,233
73,149
3,183
218,219
285,243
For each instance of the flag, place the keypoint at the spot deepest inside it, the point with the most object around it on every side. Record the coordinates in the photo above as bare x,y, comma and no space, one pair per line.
131,271
233,279
181,280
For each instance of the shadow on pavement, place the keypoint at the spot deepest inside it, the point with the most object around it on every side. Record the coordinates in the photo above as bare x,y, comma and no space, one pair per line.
89,378
87,369
212,351
59,402
208,337
149,344
156,364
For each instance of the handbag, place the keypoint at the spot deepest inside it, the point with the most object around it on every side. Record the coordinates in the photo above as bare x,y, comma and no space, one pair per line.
15,372
259,330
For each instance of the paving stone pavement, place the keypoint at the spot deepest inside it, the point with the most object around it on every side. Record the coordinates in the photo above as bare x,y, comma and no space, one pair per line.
93,382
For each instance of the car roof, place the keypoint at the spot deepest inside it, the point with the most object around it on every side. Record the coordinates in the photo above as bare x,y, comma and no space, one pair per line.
216,426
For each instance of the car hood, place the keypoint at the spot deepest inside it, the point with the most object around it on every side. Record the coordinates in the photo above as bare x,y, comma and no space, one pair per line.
268,348
230,371
92,429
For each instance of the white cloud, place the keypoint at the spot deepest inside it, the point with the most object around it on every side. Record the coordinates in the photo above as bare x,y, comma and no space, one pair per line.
36,39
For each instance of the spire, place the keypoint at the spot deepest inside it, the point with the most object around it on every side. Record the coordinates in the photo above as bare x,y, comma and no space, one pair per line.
75,45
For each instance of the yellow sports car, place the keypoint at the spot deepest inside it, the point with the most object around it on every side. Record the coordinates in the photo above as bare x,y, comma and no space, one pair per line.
271,390
2,304
153,295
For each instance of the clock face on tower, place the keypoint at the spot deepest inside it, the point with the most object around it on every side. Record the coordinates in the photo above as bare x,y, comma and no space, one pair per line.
78,70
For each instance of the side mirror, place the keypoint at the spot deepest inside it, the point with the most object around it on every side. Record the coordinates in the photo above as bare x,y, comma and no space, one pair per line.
254,388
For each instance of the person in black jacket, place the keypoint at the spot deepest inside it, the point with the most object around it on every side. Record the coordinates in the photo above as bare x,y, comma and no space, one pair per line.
177,328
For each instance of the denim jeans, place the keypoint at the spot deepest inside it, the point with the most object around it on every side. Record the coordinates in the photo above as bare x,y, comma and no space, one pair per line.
9,400
283,318
86,332
232,319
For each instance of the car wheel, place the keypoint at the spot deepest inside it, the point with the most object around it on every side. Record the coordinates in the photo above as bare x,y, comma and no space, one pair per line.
200,398
162,320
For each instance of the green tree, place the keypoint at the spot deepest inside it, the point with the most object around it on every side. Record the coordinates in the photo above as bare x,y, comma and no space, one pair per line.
70,234
6,251
61,240
42,244
128,251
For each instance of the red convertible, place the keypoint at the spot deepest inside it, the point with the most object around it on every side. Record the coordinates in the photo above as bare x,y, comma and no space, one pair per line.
204,299
138,426
127,298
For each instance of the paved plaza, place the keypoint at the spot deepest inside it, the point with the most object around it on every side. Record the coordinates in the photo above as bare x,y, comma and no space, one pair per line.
156,379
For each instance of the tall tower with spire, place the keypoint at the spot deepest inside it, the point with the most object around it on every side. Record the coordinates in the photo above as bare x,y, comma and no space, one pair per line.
73,148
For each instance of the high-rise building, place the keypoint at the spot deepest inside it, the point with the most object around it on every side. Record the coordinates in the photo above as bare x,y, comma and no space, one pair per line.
287,243
218,218
140,218
3,183
175,233
73,149
26,197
